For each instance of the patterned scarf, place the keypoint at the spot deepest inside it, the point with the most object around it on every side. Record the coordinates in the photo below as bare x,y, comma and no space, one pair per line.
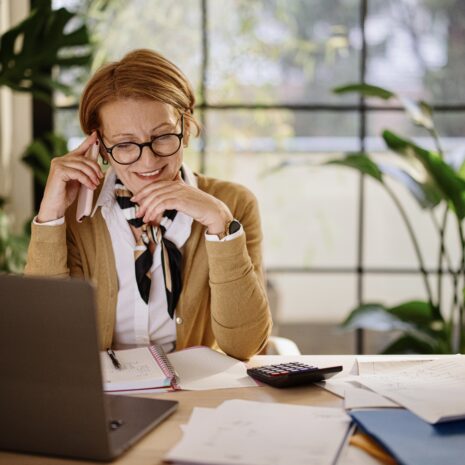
171,258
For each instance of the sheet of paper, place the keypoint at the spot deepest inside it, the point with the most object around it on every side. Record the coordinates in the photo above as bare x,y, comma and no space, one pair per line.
356,397
255,433
376,366
199,417
202,368
337,386
434,391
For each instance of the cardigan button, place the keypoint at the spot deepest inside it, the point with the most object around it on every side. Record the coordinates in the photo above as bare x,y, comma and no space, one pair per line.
179,320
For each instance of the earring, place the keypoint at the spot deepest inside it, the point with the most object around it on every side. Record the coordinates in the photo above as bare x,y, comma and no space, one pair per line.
104,161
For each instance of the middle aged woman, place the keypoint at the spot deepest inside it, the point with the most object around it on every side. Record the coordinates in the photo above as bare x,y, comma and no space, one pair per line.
175,256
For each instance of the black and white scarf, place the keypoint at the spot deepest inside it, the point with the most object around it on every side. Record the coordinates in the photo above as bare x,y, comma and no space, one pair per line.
171,258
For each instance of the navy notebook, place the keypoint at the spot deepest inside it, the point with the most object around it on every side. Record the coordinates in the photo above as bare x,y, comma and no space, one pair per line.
412,441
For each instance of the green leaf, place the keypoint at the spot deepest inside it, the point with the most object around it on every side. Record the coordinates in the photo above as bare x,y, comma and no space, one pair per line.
420,112
448,182
415,311
425,193
13,247
376,317
461,170
27,68
360,162
409,344
40,152
365,89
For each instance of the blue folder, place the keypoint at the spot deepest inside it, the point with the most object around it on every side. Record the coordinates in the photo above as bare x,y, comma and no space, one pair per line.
412,441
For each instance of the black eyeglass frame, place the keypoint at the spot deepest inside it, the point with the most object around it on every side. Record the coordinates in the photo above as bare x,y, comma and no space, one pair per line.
148,144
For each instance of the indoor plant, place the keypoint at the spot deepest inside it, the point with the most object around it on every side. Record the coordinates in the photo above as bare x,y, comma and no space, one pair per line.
28,52
437,186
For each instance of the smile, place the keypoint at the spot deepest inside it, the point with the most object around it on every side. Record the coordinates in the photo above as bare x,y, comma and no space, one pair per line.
152,173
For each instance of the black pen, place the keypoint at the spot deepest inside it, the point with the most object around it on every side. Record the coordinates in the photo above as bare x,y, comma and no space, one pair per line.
113,358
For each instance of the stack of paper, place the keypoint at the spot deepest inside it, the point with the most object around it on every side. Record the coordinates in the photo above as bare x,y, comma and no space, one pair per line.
256,433
431,389
434,391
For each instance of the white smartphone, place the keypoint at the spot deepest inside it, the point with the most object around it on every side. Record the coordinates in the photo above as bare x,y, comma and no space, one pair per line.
86,195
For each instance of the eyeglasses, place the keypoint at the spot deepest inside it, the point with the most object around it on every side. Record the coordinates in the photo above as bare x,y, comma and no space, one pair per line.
165,145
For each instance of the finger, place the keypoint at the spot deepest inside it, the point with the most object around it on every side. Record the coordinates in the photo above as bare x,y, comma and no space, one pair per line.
73,174
92,164
155,197
86,168
152,199
155,210
86,144
72,157
161,186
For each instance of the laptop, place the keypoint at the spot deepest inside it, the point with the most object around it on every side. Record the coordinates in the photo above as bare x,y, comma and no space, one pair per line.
51,396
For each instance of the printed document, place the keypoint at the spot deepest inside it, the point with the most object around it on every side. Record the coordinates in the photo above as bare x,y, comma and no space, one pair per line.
434,391
241,432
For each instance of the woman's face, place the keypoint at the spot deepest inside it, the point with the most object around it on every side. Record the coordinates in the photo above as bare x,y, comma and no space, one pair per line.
132,120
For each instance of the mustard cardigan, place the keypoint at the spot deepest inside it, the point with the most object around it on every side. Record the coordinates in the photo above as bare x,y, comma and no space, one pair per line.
223,303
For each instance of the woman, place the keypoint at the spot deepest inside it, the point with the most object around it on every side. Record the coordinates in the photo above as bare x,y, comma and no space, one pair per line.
175,256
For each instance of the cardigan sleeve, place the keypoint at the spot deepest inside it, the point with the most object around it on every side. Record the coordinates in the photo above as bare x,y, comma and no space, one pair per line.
52,253
241,319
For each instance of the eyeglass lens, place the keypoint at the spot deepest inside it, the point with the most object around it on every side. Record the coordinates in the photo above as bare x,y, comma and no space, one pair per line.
163,146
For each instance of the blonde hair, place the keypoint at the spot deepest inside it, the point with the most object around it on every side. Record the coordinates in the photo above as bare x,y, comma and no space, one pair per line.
141,74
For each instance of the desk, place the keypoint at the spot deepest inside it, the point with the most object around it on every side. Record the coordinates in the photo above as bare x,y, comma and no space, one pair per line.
152,448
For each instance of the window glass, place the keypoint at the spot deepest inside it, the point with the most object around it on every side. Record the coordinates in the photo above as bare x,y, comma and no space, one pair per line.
303,203
416,47
171,28
281,50
387,243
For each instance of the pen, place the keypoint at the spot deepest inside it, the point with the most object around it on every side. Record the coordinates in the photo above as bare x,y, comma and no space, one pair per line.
113,358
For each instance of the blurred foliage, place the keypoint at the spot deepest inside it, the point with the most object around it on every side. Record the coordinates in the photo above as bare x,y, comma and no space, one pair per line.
13,247
30,49
434,184
40,152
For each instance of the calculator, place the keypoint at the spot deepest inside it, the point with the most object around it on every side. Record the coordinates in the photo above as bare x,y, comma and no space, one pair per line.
291,374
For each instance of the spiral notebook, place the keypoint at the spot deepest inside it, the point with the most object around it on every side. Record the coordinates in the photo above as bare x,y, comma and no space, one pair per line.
150,368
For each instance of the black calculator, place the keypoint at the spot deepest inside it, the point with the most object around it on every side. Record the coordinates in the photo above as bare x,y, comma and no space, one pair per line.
291,374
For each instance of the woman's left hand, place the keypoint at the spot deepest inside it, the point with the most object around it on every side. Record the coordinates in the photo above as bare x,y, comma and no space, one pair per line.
155,198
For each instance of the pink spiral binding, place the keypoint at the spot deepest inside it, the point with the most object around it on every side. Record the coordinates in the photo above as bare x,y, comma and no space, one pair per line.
163,362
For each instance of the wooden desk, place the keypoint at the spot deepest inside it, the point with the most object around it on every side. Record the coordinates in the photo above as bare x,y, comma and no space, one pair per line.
152,448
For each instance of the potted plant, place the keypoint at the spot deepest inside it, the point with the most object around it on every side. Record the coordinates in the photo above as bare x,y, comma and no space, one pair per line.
434,184
28,51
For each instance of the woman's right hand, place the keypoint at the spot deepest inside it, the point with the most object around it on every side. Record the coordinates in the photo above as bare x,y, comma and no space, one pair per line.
66,175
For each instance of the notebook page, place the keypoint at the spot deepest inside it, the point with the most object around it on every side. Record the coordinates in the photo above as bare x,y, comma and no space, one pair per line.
201,368
139,370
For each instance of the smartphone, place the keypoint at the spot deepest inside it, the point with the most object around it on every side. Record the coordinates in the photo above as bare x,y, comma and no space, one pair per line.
86,195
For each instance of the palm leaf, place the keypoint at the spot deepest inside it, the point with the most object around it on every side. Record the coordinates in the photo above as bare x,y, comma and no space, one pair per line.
447,181
32,47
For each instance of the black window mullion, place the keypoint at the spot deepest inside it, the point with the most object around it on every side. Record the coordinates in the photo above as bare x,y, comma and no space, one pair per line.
359,334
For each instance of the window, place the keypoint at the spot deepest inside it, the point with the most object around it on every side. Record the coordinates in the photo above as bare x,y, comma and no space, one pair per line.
263,71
